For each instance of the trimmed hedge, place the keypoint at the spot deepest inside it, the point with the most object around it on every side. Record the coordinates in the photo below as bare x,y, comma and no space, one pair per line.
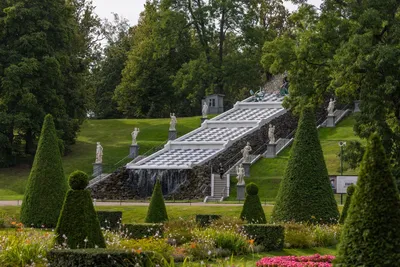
371,232
271,237
78,180
96,258
157,212
78,225
206,219
110,219
305,193
252,210
350,192
46,187
143,230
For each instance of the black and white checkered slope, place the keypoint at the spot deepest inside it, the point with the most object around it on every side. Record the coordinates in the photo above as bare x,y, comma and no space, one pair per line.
214,136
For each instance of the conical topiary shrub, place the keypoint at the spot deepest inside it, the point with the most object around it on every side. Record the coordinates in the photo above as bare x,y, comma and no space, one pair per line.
78,225
305,193
252,210
157,213
47,185
350,192
371,232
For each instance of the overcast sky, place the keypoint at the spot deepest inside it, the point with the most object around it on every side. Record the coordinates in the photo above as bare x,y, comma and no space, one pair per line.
130,9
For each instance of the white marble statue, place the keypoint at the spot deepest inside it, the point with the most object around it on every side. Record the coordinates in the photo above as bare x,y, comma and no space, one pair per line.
246,152
240,174
271,134
173,122
331,106
134,134
204,111
99,153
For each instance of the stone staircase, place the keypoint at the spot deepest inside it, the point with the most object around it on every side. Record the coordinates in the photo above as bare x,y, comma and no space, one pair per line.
185,166
220,188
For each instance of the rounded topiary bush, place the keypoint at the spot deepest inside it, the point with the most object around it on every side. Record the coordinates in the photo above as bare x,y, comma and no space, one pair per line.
78,180
78,225
252,210
252,189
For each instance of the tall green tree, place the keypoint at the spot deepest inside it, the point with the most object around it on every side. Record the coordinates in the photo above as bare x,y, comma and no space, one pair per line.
161,44
350,49
371,234
46,188
40,71
305,193
108,73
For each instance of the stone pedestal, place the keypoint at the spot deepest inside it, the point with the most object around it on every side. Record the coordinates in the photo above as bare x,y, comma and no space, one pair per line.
356,106
172,135
203,119
271,150
97,169
240,192
330,121
246,167
133,151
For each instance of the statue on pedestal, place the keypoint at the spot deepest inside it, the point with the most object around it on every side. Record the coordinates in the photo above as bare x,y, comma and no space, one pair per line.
99,153
173,122
246,152
204,111
134,134
331,107
240,174
271,134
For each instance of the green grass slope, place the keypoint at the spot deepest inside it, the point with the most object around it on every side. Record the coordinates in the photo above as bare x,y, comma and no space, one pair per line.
115,137
267,173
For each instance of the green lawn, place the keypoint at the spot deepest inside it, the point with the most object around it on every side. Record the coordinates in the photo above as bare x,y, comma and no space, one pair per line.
137,214
115,137
267,173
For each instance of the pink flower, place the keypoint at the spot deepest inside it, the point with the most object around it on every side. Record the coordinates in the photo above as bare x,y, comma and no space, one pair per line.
297,261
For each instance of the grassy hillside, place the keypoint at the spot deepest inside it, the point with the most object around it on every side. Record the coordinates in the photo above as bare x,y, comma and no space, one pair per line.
115,137
267,173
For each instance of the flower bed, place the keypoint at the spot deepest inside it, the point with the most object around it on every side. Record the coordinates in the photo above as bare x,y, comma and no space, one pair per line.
297,261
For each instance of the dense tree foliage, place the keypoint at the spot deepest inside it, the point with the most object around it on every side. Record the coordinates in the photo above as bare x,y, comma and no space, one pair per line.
371,234
183,50
349,48
43,55
305,193
107,73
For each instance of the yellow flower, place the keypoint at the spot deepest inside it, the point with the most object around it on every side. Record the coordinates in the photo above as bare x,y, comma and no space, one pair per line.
251,241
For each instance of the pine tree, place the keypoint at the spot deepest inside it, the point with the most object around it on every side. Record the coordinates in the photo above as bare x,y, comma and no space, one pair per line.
47,185
305,193
252,210
371,234
78,225
157,213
